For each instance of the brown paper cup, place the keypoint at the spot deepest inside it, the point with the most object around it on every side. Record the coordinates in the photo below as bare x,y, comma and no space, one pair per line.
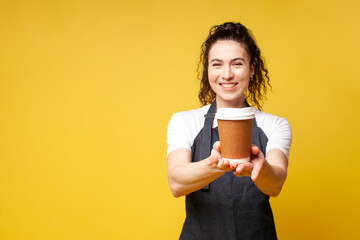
235,130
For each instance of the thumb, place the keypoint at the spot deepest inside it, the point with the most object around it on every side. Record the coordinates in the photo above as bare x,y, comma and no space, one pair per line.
254,150
216,146
213,158
256,171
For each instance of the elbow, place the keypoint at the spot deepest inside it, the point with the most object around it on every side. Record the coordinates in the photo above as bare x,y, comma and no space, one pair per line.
175,194
275,192
276,189
176,190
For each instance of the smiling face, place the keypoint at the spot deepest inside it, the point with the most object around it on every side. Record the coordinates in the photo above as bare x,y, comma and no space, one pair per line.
229,72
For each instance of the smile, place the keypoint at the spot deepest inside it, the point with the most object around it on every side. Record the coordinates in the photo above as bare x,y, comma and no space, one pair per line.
228,85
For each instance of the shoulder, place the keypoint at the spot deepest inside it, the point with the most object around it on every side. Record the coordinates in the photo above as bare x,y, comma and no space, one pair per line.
269,122
189,119
193,114
183,128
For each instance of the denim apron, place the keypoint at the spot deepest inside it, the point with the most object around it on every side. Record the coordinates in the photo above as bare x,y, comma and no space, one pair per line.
230,207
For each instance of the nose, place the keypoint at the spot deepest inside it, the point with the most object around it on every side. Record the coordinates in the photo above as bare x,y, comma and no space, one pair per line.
227,73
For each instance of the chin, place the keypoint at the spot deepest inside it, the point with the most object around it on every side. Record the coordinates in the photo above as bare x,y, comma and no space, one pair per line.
233,101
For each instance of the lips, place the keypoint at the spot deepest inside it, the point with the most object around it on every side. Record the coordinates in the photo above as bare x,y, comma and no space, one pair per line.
228,85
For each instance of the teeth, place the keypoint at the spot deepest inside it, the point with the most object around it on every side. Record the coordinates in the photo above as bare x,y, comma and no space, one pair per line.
228,85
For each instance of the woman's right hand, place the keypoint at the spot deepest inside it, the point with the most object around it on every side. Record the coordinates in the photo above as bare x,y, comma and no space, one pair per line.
186,176
215,159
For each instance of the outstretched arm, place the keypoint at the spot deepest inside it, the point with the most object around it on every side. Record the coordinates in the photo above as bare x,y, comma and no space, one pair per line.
268,174
186,177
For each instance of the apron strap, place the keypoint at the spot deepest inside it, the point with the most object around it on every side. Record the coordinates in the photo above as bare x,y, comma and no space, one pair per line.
254,122
206,138
206,146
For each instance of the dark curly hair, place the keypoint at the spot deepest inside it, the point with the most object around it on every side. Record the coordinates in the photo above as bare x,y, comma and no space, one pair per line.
260,82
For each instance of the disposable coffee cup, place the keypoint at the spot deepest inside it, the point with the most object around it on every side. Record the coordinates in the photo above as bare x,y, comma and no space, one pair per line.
235,130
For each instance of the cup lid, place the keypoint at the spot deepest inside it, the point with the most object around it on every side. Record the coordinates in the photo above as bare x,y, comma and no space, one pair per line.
235,113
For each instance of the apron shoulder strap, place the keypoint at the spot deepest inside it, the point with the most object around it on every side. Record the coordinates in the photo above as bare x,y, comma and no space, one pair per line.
207,130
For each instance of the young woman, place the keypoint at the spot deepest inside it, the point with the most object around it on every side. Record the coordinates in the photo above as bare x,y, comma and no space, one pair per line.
223,200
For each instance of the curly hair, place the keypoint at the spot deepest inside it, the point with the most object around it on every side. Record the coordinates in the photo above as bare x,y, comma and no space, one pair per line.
260,82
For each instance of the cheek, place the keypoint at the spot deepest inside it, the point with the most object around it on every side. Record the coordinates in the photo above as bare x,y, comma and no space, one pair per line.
244,75
212,75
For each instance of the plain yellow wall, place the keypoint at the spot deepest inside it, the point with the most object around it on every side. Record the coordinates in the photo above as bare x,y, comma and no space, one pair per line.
87,89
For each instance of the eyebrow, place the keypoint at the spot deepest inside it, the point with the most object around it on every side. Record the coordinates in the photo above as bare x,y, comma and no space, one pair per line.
216,59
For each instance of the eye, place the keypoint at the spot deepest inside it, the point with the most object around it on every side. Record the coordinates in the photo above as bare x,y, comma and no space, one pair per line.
239,64
216,64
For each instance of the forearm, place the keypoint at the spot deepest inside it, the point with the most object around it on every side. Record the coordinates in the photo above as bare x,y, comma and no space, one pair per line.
189,177
271,179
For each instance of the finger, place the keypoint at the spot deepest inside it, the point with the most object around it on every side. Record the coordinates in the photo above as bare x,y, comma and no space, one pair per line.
234,164
254,150
216,146
215,156
248,167
211,162
223,164
256,171
213,159
215,153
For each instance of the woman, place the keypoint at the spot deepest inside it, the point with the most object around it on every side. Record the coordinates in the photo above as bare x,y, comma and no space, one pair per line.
228,201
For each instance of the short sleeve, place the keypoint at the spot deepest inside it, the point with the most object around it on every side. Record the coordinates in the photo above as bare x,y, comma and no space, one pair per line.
279,136
177,134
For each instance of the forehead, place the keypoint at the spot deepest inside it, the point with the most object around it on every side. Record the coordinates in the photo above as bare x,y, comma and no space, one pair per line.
227,49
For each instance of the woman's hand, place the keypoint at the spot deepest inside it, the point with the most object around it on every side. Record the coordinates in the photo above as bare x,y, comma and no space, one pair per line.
186,176
268,174
253,167
215,159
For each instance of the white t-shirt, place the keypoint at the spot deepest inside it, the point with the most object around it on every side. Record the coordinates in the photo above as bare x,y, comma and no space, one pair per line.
185,126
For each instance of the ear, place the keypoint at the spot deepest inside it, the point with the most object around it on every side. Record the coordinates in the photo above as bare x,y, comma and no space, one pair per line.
252,70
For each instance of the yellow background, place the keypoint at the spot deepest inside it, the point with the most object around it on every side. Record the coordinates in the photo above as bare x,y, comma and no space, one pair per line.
87,89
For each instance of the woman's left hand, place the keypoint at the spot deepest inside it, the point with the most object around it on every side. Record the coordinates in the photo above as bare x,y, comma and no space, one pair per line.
269,173
253,167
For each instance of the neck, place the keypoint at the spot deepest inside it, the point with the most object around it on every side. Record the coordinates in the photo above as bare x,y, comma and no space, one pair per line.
235,104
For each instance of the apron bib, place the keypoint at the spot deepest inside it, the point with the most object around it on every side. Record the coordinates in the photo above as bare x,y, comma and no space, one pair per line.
229,207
